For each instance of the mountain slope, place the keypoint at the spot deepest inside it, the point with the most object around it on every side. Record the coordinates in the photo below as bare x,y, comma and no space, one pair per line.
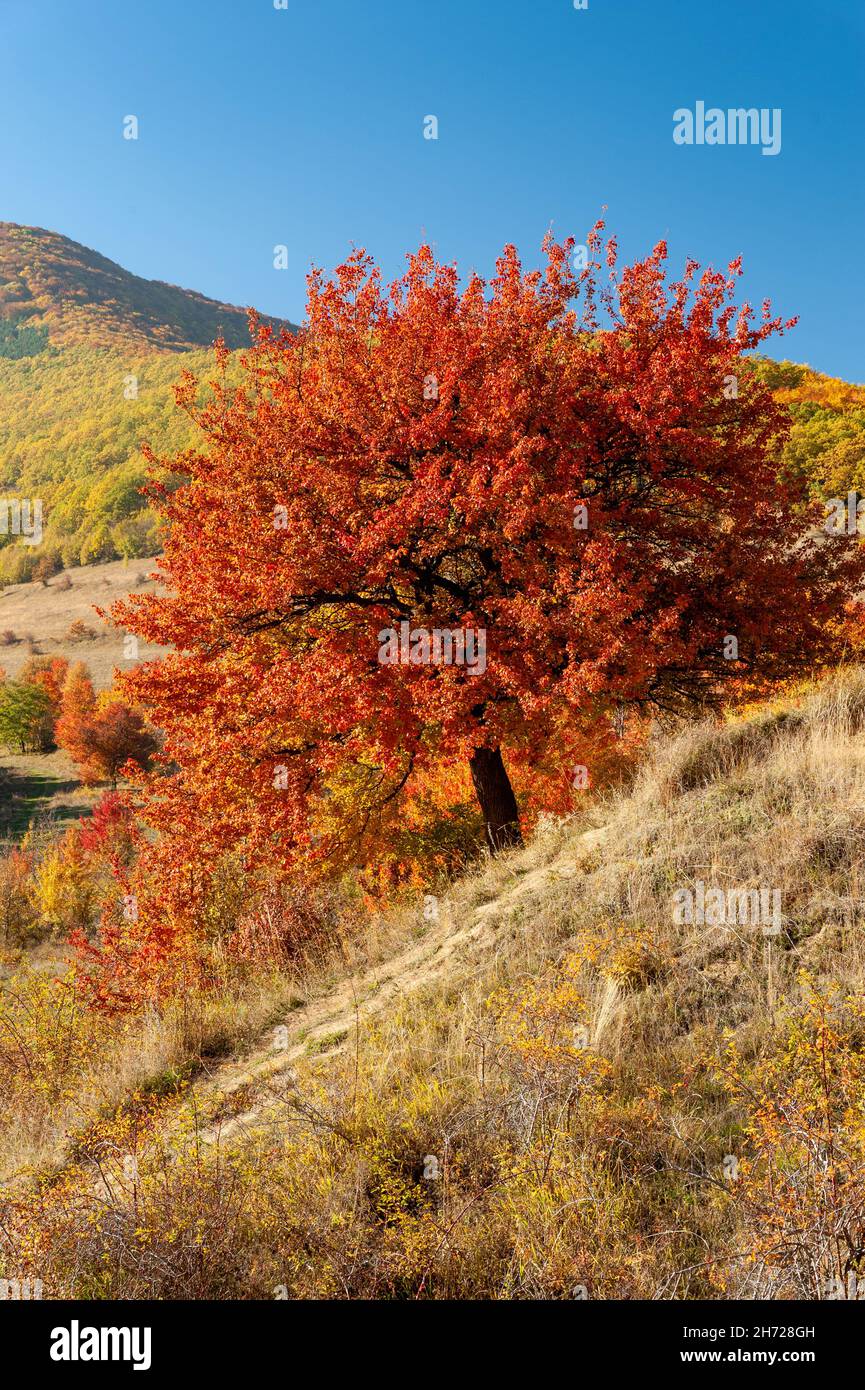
89,355
71,436
54,290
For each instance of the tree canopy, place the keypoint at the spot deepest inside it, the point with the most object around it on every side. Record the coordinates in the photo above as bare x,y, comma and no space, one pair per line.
580,475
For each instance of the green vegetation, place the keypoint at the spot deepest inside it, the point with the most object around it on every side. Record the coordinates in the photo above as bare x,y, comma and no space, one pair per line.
827,440
88,360
71,432
38,793
24,714
19,339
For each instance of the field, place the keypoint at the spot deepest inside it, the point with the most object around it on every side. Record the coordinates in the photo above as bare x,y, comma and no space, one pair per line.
36,618
40,790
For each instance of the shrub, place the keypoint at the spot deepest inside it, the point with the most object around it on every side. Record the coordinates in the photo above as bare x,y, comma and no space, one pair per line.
48,564
798,1190
18,919
79,631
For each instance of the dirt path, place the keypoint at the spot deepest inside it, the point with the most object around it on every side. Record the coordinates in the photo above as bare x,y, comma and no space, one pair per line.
324,1026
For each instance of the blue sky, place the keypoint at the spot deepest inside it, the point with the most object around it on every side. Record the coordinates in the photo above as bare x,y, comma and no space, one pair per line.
304,127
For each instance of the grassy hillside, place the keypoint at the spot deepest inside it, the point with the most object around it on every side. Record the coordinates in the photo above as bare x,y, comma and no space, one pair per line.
542,1085
39,793
39,619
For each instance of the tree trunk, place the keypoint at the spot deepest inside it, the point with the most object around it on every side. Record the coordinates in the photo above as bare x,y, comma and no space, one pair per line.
496,797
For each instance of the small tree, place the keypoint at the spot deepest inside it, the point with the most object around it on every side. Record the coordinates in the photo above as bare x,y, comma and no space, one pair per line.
100,735
111,738
25,715
50,674
77,706
64,887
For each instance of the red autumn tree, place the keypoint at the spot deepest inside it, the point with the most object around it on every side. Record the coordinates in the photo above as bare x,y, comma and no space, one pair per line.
108,833
111,738
77,706
101,736
583,475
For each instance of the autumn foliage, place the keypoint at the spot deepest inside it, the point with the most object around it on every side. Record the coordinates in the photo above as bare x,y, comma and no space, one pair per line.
583,473
798,1186
77,705
103,734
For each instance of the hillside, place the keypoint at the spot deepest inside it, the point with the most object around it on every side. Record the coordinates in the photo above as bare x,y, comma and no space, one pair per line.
55,291
826,446
71,437
57,618
545,1084
89,357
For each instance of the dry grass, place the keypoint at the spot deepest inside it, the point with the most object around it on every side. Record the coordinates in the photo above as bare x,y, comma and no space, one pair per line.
39,616
563,1165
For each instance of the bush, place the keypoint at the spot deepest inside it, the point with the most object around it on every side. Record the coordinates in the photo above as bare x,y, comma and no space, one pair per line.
48,564
798,1190
79,631
18,916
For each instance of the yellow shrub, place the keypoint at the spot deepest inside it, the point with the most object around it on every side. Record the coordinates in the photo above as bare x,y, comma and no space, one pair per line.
63,886
798,1184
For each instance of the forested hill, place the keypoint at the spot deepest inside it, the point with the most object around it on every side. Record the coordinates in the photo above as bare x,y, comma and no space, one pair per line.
54,291
826,446
89,355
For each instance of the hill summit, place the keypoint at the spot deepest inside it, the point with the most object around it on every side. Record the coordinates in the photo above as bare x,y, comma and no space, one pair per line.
55,291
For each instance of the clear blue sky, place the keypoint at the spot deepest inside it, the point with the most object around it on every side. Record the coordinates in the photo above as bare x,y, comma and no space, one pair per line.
304,126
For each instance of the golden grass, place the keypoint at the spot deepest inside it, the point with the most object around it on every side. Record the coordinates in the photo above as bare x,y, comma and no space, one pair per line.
549,1042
